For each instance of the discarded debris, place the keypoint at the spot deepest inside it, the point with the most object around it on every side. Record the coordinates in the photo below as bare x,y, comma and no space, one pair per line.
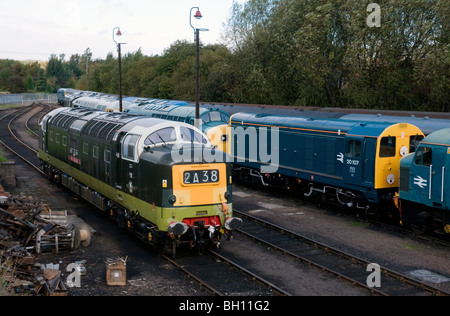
38,228
29,227
116,271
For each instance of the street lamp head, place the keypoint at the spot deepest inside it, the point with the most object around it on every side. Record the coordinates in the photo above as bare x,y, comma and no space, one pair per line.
198,15
118,33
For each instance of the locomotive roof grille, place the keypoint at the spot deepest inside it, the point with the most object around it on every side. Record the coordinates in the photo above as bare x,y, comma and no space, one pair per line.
63,121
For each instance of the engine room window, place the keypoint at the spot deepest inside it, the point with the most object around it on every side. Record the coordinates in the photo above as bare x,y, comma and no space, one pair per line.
107,156
414,142
387,146
86,148
128,146
424,156
353,148
189,135
95,151
164,135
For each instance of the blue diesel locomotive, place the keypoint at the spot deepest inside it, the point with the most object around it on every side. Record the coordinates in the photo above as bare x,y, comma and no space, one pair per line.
348,163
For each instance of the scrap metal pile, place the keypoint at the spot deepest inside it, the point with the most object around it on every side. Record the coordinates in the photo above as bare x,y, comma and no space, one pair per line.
29,227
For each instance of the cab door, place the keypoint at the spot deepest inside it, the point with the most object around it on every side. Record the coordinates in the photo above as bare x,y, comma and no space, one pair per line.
437,172
353,164
422,179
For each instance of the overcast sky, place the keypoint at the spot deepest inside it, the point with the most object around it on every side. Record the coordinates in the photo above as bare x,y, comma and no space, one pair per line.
34,29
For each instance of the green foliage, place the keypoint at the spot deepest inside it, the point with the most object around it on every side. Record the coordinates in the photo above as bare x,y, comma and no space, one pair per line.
323,53
2,157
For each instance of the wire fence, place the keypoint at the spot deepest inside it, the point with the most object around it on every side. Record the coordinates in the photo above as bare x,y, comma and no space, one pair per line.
27,98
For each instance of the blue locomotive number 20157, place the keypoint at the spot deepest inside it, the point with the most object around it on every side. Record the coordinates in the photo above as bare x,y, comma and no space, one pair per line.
201,176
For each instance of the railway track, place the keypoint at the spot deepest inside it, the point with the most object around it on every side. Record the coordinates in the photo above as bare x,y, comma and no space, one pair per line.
223,277
342,265
10,140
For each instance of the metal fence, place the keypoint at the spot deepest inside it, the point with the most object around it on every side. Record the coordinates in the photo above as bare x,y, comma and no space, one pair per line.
28,98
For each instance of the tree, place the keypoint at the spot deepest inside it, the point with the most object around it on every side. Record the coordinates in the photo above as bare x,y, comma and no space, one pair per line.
55,72
41,83
29,83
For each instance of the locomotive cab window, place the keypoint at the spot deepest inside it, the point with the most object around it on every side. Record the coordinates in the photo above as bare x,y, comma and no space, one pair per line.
414,142
189,135
164,135
353,148
424,156
387,146
215,116
205,118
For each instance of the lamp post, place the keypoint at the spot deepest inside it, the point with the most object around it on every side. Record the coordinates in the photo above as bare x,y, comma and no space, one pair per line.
198,16
120,64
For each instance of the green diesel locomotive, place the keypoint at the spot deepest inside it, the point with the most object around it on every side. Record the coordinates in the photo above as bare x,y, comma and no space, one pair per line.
155,177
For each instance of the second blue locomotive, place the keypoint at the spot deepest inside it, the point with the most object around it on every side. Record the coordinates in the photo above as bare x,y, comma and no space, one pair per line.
425,185
348,163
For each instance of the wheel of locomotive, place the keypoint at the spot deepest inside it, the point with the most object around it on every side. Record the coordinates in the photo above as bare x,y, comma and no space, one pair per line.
49,174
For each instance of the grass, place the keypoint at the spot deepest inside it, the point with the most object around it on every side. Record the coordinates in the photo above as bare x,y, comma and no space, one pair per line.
2,158
8,106
412,246
358,224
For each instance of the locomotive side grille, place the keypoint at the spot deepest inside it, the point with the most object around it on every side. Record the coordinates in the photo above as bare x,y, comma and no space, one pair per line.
404,179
